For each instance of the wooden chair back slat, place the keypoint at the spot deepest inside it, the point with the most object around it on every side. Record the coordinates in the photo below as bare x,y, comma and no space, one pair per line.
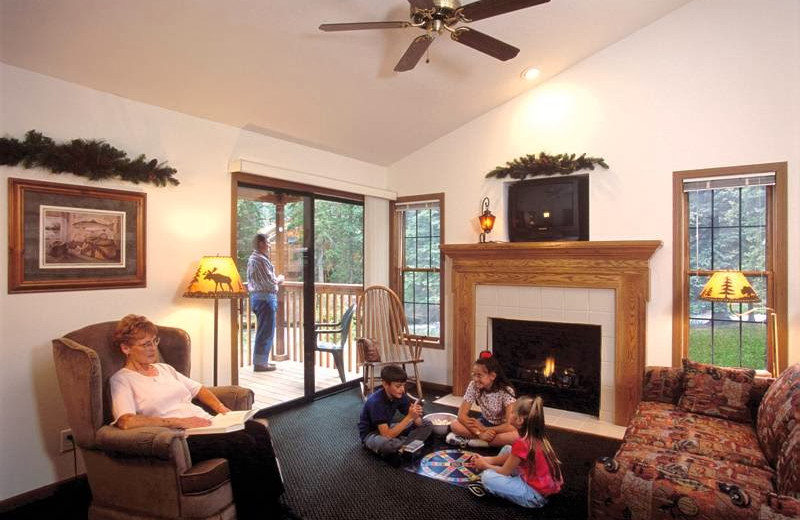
381,318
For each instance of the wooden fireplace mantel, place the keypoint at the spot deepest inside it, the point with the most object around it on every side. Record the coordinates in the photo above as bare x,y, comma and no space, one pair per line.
620,265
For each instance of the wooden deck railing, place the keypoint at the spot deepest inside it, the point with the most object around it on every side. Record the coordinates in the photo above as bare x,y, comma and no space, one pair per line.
330,302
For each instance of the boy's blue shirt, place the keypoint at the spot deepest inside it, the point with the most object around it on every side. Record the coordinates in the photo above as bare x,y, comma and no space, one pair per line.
380,409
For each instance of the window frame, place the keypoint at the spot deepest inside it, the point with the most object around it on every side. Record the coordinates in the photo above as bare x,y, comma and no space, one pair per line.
776,260
396,259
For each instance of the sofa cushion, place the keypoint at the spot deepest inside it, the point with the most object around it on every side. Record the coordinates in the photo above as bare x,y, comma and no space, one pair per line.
642,482
664,426
779,412
788,467
663,384
369,350
717,391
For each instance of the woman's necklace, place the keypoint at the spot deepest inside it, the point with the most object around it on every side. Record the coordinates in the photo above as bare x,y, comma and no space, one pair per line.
149,371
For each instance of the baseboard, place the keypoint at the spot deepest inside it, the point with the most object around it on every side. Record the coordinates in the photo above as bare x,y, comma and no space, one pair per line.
437,388
69,497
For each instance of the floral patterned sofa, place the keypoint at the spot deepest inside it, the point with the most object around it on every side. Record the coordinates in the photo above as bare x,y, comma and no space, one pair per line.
705,443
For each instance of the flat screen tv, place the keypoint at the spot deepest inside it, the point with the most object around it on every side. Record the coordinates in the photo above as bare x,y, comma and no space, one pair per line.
551,209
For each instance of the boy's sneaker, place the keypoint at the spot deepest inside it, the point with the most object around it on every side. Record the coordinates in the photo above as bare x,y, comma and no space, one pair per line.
456,440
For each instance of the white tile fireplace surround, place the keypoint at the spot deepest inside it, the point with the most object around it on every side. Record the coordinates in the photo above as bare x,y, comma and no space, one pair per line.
602,283
556,304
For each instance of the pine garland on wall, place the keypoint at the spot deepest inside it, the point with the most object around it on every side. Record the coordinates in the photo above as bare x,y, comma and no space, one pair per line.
545,164
93,159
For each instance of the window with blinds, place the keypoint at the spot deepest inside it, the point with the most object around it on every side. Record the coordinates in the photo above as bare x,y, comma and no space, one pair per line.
727,226
417,234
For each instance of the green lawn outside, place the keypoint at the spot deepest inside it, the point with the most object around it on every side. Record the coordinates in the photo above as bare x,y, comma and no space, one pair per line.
726,350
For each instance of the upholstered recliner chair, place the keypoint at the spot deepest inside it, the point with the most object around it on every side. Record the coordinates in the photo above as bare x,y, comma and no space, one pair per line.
141,472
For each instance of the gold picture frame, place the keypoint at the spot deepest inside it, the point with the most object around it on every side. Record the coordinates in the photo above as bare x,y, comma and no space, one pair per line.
67,238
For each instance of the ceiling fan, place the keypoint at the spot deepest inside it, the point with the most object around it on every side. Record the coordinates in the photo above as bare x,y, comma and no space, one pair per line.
437,16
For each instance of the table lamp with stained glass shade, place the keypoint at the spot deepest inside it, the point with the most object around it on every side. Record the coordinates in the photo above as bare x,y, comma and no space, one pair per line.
217,278
732,287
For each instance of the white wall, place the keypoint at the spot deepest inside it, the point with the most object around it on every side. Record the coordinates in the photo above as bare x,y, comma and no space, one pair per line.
183,224
712,84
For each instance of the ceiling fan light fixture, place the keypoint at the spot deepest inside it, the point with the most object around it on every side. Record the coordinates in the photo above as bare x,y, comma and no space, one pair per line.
530,74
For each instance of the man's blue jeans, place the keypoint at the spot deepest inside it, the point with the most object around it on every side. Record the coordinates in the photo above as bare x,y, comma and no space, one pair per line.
264,306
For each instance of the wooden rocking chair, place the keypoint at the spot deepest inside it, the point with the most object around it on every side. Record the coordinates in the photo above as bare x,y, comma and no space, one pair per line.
381,320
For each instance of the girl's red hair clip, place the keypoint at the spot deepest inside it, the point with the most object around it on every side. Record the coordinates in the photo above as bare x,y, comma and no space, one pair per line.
485,354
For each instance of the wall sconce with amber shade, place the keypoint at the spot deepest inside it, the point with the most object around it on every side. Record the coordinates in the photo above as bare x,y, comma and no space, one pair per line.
486,220
733,287
217,278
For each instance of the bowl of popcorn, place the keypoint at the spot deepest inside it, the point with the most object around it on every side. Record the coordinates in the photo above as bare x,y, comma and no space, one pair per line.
440,421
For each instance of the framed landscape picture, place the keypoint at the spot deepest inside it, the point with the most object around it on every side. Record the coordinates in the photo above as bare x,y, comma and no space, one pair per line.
66,238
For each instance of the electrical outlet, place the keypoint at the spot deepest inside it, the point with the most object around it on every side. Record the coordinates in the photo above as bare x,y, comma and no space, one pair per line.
67,441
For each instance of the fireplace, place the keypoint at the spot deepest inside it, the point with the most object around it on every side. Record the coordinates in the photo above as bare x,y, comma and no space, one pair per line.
622,266
558,361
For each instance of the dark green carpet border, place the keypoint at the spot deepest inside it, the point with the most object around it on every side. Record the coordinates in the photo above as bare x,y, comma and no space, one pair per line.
329,475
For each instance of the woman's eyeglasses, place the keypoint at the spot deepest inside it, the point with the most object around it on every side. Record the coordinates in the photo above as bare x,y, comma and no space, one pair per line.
149,344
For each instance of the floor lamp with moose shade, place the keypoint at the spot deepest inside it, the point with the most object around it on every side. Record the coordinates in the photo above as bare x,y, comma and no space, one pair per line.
733,287
216,277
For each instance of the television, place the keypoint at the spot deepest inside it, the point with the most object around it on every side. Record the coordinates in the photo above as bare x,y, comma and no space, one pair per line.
551,209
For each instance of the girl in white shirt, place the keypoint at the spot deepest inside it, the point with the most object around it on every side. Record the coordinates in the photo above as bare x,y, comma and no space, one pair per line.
495,397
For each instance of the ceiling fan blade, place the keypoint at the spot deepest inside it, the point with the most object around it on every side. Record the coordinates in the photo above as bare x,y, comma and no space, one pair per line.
414,53
422,4
487,8
484,43
357,26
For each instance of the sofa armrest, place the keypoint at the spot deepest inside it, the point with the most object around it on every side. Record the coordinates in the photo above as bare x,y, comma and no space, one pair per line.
782,506
663,384
150,441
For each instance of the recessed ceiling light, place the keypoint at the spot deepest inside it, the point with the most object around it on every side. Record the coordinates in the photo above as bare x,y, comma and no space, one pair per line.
531,73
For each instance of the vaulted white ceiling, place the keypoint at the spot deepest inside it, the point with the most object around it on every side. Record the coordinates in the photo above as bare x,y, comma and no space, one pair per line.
263,65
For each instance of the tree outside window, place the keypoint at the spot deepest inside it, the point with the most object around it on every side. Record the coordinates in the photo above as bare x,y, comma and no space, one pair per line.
727,230
731,218
417,264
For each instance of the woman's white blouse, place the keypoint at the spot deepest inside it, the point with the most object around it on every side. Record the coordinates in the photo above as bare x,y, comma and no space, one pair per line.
167,394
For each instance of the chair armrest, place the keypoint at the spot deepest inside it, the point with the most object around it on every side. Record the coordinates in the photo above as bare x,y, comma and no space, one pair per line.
337,324
416,341
327,329
149,441
234,397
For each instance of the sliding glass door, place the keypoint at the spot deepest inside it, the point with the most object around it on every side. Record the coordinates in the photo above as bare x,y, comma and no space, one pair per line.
316,244
338,281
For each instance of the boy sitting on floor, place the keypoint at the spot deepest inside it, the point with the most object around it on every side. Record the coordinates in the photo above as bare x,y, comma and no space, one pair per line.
376,427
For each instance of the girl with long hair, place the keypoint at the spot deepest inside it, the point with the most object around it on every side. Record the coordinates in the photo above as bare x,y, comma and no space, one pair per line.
528,471
493,393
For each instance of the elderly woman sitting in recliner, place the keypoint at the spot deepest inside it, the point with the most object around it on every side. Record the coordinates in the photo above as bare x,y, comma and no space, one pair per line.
147,393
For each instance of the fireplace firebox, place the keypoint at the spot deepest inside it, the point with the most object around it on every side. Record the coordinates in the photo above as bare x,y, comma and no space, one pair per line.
558,361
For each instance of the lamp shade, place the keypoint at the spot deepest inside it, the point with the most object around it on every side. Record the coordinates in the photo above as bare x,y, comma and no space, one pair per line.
216,277
487,221
729,287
